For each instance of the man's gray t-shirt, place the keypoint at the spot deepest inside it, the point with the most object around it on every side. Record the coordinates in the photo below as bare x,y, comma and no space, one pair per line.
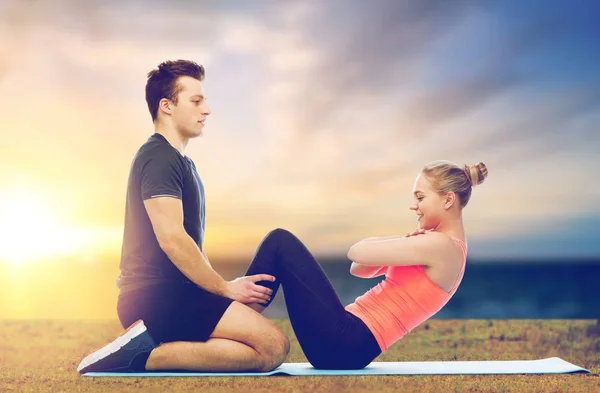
157,170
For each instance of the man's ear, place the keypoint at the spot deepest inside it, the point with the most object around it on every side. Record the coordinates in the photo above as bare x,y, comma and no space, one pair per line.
165,105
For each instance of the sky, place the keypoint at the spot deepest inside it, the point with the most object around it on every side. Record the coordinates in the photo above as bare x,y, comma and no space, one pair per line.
323,113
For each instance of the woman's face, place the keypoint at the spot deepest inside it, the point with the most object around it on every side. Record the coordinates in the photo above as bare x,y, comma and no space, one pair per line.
428,204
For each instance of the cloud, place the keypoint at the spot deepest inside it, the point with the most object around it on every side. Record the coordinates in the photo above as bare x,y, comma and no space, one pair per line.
365,49
354,64
15,17
537,128
323,113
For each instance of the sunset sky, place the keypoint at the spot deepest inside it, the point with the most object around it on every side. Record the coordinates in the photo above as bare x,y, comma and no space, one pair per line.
323,113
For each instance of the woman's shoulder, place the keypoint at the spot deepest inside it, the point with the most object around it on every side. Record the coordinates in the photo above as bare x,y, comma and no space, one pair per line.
445,246
439,238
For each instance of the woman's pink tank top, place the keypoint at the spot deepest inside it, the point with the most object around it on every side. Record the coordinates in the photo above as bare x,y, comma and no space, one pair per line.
405,299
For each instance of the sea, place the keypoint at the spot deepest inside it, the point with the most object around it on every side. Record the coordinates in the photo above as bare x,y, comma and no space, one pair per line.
497,289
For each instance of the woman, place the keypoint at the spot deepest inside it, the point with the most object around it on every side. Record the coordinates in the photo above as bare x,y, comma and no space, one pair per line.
422,274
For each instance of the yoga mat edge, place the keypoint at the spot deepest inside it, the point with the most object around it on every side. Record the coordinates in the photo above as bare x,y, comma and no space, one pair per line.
552,365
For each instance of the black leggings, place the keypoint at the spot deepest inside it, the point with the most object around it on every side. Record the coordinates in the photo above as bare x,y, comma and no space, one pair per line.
330,336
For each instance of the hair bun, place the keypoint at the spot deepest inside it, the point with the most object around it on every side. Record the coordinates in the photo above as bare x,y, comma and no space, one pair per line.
476,174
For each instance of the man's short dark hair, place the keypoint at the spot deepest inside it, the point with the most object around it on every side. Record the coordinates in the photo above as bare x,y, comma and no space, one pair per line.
162,82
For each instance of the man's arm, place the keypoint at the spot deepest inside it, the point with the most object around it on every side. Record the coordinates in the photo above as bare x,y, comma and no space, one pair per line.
166,216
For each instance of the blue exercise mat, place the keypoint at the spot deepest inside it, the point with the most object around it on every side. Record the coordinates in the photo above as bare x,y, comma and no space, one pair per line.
543,366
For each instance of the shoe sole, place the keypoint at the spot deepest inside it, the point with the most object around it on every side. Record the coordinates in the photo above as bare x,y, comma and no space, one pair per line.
132,332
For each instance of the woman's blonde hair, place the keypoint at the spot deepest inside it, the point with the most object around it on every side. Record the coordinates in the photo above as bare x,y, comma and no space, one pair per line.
446,176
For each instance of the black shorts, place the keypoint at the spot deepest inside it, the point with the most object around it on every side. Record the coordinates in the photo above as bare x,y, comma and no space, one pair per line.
173,312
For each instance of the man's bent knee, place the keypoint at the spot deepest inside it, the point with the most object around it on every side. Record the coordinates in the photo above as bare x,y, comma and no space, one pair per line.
240,323
274,353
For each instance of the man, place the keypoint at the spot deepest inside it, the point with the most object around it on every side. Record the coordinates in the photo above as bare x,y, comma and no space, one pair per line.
181,314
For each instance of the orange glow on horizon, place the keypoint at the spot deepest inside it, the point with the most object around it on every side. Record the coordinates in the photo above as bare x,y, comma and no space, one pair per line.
35,229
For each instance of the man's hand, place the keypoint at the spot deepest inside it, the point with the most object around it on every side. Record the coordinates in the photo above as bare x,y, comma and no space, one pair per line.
246,291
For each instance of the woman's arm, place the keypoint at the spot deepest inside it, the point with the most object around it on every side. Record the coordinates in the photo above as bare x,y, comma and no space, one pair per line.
414,233
364,271
374,239
402,251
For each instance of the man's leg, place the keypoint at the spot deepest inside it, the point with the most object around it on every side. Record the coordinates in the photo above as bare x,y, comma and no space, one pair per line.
243,340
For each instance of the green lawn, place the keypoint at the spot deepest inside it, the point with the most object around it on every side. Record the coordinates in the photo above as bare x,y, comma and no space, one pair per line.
42,356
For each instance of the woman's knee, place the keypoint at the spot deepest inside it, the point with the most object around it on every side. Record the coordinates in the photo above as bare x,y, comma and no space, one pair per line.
280,233
274,238
284,237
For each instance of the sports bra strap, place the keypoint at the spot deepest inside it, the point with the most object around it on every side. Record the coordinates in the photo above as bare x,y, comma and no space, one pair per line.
463,247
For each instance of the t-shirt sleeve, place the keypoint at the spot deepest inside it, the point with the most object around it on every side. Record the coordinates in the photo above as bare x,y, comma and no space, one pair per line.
162,176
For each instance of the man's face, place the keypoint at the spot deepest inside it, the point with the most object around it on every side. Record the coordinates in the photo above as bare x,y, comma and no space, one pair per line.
191,110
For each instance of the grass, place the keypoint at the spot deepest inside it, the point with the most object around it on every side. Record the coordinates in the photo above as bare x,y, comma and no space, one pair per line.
42,356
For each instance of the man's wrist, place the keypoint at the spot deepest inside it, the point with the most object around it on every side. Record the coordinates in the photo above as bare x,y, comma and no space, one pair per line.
223,289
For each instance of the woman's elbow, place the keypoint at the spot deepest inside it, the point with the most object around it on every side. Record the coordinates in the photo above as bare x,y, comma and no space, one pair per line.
357,270
351,255
354,254
352,270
